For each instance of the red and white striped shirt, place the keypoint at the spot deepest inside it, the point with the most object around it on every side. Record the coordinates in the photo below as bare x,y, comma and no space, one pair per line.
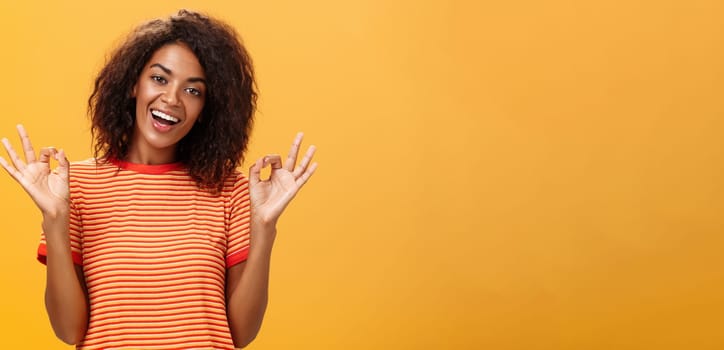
155,249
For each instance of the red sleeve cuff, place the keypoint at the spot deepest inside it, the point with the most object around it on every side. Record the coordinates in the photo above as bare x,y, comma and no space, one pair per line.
237,257
43,256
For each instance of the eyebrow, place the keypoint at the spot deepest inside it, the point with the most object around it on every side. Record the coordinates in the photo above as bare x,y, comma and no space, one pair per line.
169,72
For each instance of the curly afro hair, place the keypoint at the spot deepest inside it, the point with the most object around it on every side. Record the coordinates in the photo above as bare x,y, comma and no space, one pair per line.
214,148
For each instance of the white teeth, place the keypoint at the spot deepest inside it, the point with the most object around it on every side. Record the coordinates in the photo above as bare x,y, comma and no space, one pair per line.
165,116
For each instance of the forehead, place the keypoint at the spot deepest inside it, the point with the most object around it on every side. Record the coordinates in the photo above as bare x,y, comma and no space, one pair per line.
178,58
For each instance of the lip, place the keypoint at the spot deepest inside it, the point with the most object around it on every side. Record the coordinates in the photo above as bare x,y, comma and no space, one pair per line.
162,128
173,114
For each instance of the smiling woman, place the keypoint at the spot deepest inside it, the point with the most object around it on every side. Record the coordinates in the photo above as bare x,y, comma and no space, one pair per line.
187,55
169,98
159,241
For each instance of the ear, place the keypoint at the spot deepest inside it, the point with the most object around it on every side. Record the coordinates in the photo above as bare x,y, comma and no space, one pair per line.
135,87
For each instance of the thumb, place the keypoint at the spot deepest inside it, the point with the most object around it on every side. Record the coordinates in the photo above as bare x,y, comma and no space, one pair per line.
255,172
63,164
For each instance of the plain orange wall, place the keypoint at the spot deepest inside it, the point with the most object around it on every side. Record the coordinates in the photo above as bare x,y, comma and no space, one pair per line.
493,174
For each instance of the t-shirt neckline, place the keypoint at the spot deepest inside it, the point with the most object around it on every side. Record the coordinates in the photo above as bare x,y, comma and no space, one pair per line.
147,168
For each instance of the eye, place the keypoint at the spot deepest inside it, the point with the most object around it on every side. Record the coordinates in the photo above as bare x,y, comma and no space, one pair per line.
159,79
194,91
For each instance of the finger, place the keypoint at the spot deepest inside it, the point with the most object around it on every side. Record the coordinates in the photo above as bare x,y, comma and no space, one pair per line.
10,169
27,146
46,154
255,172
306,175
294,152
302,166
63,164
274,160
19,165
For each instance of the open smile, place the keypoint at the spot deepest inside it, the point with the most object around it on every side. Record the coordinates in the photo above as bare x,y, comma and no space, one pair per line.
164,118
162,121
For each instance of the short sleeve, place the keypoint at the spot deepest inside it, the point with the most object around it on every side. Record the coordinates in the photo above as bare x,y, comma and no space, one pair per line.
237,235
76,237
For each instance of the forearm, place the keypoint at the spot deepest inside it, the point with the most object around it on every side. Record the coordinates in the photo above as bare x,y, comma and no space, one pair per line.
65,298
248,283
247,302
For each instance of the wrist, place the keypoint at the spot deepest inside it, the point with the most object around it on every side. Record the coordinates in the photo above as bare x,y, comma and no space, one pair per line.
61,213
263,233
55,222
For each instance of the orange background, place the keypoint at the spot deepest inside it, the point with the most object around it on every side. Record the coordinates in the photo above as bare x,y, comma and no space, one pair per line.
500,175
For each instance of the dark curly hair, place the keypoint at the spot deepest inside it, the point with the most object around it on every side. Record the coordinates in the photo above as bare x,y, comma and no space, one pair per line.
213,148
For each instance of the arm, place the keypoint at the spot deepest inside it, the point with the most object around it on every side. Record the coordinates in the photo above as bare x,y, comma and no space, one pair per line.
65,292
65,295
247,285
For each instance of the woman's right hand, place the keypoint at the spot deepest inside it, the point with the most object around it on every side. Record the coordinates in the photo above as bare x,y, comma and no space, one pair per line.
48,189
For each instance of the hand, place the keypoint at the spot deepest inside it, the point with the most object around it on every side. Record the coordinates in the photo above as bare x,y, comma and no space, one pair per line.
269,197
48,189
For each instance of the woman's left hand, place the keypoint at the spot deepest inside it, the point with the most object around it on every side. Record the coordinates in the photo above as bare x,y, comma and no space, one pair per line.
269,197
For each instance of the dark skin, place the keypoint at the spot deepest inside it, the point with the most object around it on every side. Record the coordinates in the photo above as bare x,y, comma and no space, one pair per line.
177,94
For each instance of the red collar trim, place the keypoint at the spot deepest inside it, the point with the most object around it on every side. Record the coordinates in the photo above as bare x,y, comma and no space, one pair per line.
146,168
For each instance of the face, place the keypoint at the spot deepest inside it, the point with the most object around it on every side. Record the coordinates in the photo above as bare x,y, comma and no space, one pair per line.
170,94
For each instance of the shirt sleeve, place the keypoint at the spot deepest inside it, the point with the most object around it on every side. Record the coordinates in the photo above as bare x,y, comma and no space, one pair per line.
237,235
76,237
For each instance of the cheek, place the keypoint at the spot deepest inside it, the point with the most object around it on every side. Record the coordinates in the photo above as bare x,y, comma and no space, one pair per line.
143,93
195,107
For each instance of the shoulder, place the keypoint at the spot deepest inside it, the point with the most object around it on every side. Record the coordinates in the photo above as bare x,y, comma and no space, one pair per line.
86,163
236,184
88,175
89,168
235,179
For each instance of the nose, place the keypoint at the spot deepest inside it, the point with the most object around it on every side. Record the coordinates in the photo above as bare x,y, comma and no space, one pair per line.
170,95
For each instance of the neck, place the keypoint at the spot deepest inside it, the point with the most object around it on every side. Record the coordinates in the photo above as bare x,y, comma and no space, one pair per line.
139,155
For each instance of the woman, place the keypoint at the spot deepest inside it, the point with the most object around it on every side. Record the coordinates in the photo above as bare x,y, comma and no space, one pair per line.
158,241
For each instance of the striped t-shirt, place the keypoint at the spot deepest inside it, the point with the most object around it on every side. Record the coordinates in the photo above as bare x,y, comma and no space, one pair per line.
155,249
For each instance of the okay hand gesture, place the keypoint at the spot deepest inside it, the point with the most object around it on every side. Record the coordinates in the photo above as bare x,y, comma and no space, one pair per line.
48,189
270,197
